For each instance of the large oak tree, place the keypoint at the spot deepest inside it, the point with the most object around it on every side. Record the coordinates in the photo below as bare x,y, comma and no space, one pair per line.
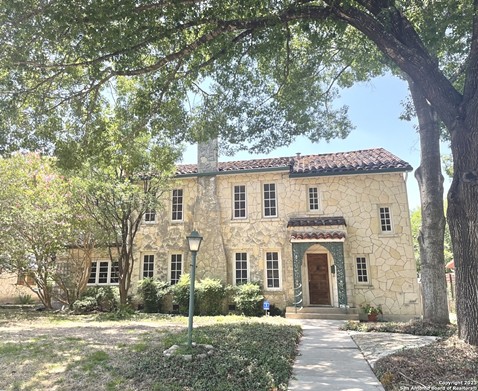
265,72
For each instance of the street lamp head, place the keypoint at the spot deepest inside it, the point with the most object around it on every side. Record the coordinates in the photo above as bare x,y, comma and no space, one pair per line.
194,241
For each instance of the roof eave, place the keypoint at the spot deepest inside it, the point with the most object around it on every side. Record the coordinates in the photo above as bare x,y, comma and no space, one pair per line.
351,172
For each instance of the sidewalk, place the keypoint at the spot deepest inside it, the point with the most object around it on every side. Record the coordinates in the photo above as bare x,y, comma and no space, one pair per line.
330,360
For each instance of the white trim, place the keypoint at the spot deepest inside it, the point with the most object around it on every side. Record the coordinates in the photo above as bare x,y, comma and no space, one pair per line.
276,200
248,277
97,273
142,264
171,211
234,202
367,269
392,228
170,261
279,268
319,199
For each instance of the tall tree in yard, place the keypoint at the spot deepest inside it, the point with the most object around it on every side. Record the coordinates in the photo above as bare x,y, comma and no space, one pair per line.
119,179
265,70
36,219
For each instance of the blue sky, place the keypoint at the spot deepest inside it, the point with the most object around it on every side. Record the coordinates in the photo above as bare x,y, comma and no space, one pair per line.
374,109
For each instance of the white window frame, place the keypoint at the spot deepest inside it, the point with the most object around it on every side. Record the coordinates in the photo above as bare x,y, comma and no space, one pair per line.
143,263
309,199
236,201
278,269
109,275
171,270
385,220
364,266
150,216
236,270
269,200
177,208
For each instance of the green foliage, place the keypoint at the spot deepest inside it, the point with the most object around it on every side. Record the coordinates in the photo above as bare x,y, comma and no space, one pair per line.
241,360
414,327
24,299
98,298
370,309
180,292
152,293
211,294
37,216
248,299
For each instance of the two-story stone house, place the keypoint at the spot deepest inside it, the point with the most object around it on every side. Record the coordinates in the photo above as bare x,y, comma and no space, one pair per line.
318,230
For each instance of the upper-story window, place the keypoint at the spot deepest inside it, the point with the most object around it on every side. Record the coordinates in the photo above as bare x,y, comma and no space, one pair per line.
385,219
314,199
150,216
270,200
177,205
240,211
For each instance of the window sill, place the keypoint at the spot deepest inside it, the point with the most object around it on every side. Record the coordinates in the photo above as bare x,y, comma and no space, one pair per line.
363,286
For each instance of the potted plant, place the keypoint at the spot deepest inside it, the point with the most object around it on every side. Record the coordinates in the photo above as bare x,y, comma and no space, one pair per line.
372,311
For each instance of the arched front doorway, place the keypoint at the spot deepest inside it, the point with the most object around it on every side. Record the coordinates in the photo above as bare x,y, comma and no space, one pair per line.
319,274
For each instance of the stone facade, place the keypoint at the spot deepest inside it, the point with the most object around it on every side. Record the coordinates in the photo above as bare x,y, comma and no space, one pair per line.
364,263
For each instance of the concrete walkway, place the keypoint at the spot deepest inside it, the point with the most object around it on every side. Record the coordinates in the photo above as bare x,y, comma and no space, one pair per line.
330,360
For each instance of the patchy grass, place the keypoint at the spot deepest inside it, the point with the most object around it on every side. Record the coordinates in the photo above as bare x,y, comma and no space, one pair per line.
44,351
447,364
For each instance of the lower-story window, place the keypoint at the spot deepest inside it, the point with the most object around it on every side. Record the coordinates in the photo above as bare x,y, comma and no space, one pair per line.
104,273
362,272
272,270
148,266
176,267
241,268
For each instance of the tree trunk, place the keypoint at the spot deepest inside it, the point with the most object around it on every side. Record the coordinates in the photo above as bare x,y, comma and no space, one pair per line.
462,216
431,237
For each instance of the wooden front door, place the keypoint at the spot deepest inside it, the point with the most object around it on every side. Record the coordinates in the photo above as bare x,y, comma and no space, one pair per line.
319,288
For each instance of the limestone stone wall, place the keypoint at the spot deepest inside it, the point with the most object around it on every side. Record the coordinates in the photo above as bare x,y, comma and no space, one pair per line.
10,291
208,202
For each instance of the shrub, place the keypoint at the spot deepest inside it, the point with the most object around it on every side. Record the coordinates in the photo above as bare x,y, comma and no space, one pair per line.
152,293
24,298
98,298
211,294
85,304
248,299
181,293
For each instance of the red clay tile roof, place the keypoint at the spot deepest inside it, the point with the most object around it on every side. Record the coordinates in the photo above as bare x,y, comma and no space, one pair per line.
368,160
321,235
315,221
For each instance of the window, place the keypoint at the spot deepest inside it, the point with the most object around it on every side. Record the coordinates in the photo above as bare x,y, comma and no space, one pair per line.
148,266
272,270
313,198
150,216
362,274
176,267
385,219
177,205
270,202
241,268
25,279
103,273
240,202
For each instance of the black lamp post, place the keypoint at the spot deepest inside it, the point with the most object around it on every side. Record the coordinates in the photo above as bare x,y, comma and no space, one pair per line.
194,242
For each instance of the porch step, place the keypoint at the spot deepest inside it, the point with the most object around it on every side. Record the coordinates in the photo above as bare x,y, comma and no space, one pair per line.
327,313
